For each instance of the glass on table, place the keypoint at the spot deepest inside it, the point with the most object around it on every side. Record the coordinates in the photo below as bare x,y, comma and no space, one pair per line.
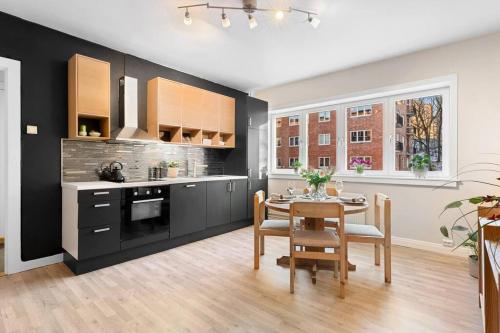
291,188
339,187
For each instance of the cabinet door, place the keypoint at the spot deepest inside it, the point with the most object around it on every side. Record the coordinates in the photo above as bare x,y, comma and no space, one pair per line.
169,103
210,111
191,107
218,203
239,200
188,208
227,112
98,241
93,86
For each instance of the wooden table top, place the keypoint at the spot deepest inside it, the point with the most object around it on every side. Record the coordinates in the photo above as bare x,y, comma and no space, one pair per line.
348,208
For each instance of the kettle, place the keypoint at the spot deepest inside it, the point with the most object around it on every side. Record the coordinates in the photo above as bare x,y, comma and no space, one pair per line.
112,173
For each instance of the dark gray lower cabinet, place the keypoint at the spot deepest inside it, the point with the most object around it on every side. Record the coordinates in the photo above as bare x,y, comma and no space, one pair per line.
254,185
238,200
218,203
188,208
97,241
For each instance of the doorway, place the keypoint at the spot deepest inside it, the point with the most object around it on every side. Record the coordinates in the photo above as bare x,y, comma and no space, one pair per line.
3,185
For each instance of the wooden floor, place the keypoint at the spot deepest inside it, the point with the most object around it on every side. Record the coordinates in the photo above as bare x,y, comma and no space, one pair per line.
210,286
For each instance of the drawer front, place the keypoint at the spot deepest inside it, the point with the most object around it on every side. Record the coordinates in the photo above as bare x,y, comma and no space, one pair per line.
97,241
99,213
99,195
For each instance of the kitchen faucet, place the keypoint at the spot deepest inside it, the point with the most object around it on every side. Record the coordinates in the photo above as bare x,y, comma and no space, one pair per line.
196,166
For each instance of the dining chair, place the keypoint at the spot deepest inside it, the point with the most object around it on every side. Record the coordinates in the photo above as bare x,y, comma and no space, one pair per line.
311,244
263,227
374,234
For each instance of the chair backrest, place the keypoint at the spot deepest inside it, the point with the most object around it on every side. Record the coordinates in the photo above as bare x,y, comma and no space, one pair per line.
331,191
259,208
319,210
484,211
383,212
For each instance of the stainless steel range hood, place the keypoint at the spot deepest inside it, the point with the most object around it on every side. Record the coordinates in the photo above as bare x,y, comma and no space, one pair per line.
129,115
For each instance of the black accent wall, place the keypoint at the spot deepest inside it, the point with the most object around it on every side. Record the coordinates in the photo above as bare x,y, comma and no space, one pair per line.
44,54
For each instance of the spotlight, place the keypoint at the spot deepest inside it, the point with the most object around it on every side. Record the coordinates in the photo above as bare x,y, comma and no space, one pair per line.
252,22
279,15
225,20
313,21
187,18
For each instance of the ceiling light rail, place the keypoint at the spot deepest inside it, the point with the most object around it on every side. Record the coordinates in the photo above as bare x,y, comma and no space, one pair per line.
249,7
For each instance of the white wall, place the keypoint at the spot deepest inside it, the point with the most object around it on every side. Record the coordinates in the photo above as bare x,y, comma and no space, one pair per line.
477,65
3,131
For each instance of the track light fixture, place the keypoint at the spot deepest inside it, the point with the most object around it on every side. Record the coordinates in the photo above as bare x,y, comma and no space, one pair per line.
250,7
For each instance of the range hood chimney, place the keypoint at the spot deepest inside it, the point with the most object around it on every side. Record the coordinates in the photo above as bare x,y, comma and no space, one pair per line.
129,115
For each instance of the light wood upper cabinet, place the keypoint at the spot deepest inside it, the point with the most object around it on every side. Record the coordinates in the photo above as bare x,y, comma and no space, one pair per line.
210,111
170,101
192,105
226,114
92,78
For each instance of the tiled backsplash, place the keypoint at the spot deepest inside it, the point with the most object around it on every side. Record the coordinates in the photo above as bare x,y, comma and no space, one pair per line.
81,159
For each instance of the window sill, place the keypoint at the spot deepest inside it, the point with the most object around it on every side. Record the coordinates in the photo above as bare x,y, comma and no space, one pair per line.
378,179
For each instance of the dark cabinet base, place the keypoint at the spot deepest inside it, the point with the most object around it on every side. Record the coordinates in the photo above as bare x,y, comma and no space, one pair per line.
91,264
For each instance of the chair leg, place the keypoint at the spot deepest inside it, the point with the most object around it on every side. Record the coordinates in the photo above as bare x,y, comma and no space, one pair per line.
256,252
377,254
292,273
335,269
261,245
345,257
387,262
343,272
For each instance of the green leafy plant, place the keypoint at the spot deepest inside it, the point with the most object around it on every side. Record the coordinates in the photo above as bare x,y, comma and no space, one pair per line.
420,162
316,177
173,164
296,164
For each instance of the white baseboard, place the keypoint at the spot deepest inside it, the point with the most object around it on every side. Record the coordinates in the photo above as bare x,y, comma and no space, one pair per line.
428,246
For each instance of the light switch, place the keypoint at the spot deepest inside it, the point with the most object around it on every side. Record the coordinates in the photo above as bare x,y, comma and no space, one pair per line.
31,129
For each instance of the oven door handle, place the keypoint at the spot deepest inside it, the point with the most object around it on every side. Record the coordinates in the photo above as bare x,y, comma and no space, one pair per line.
147,200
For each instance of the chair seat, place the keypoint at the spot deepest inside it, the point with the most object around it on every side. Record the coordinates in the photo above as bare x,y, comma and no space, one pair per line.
331,220
275,224
327,238
366,230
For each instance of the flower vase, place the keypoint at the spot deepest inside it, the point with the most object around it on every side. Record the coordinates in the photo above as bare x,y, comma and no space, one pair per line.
360,169
318,191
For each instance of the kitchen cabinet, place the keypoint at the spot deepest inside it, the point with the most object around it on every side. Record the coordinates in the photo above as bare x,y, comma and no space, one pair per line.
238,200
192,99
89,91
210,111
226,114
218,203
188,208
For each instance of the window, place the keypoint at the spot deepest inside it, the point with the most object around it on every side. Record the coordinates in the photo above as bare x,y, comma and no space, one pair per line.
324,139
361,136
388,127
278,122
278,163
293,120
292,160
360,111
366,158
324,116
324,162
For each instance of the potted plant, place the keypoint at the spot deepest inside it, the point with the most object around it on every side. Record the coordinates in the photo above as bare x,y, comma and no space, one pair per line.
317,180
173,169
296,165
359,164
419,164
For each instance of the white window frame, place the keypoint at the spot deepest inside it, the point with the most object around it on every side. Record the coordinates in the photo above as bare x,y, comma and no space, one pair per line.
366,157
325,119
324,160
294,145
324,135
278,142
446,85
294,123
292,160
357,136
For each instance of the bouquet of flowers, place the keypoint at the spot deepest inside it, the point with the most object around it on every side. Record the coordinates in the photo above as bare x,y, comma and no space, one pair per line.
317,180
359,164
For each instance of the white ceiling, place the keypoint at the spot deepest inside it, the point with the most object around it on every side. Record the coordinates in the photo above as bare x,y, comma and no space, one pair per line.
351,32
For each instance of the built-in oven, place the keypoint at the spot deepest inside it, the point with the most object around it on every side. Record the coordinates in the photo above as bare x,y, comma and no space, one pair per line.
145,215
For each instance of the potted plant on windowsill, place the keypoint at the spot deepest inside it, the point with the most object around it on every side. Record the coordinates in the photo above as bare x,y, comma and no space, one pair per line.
420,164
173,169
359,164
296,165
317,180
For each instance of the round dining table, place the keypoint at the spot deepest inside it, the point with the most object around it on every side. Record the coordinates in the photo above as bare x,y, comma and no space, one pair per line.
316,224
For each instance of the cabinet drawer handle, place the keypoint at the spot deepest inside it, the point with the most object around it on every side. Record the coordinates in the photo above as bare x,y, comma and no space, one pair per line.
102,205
191,185
96,231
101,193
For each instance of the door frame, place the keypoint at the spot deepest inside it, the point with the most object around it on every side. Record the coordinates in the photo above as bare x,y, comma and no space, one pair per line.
12,173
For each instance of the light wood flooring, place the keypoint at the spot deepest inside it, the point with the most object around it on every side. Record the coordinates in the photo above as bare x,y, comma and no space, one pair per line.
210,286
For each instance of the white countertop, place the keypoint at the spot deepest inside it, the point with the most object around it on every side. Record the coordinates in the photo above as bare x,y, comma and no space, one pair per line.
99,185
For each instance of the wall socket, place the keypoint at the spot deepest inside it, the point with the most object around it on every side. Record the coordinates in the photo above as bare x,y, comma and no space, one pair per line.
31,129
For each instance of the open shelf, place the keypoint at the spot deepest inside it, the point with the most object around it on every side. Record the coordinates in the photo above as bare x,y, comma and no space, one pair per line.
93,123
226,140
172,134
209,138
191,136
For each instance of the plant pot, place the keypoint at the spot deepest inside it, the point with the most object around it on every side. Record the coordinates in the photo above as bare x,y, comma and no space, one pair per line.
296,170
360,170
420,173
172,172
473,266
